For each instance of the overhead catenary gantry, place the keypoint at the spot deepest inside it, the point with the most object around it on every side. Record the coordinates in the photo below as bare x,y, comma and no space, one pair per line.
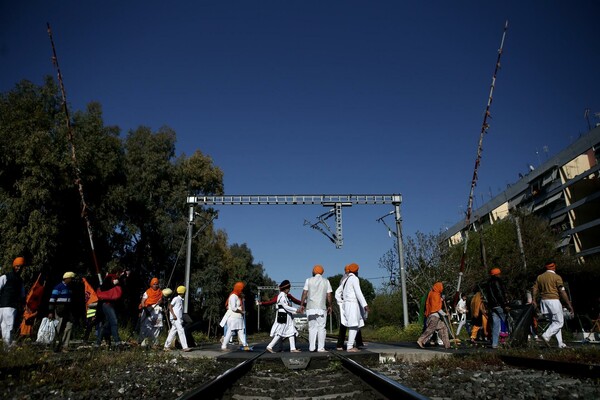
335,201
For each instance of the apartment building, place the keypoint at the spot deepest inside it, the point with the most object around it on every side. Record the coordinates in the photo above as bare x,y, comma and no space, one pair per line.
565,190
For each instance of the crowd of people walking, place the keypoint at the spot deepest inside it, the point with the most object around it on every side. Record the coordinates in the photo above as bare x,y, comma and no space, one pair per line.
491,312
99,306
160,307
484,316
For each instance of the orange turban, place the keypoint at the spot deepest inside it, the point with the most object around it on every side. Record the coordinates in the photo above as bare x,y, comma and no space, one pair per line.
154,281
551,266
495,271
19,261
352,268
346,269
238,288
317,269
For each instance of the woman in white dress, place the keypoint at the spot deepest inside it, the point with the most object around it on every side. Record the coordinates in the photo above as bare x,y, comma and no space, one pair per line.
234,317
284,327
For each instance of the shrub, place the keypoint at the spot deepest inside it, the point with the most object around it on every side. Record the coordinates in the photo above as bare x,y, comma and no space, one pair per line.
393,333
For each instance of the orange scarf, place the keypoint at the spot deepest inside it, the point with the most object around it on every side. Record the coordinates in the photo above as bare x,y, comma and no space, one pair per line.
154,295
434,299
237,290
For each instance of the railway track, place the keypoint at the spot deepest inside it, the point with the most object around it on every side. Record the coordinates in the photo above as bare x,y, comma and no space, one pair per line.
579,370
342,378
473,373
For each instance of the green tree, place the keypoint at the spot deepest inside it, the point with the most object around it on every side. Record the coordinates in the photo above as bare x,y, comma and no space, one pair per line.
41,208
135,190
425,261
386,308
428,259
500,244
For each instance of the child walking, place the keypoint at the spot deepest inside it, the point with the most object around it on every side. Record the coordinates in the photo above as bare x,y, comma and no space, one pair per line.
284,327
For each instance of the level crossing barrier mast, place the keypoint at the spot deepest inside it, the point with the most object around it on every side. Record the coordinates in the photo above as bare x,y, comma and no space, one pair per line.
325,200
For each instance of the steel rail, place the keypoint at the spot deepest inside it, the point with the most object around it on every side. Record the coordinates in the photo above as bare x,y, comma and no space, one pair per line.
215,388
563,367
387,387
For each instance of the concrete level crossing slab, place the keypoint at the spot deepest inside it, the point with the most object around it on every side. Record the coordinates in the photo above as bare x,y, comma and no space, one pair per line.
372,353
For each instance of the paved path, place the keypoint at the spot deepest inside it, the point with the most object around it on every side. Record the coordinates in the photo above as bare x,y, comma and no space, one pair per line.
405,351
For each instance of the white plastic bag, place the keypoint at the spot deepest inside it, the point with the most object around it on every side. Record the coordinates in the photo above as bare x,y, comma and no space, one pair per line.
47,331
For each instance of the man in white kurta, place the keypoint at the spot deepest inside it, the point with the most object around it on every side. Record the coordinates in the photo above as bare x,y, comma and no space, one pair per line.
317,294
355,306
176,317
461,310
12,297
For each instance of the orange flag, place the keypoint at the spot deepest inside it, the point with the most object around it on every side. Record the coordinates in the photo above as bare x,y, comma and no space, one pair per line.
32,303
34,297
90,294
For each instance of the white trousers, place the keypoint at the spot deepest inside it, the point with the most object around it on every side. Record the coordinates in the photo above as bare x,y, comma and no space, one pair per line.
461,323
229,334
149,331
553,311
317,319
176,329
276,339
7,323
352,332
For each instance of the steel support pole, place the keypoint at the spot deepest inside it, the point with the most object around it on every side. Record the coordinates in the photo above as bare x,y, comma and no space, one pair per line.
188,259
258,311
400,248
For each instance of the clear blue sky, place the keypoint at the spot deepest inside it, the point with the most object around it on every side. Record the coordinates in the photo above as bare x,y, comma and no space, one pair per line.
327,97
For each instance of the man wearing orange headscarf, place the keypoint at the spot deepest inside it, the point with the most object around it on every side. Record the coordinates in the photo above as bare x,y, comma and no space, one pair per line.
12,298
434,314
497,304
550,287
343,328
234,317
317,294
152,314
354,306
